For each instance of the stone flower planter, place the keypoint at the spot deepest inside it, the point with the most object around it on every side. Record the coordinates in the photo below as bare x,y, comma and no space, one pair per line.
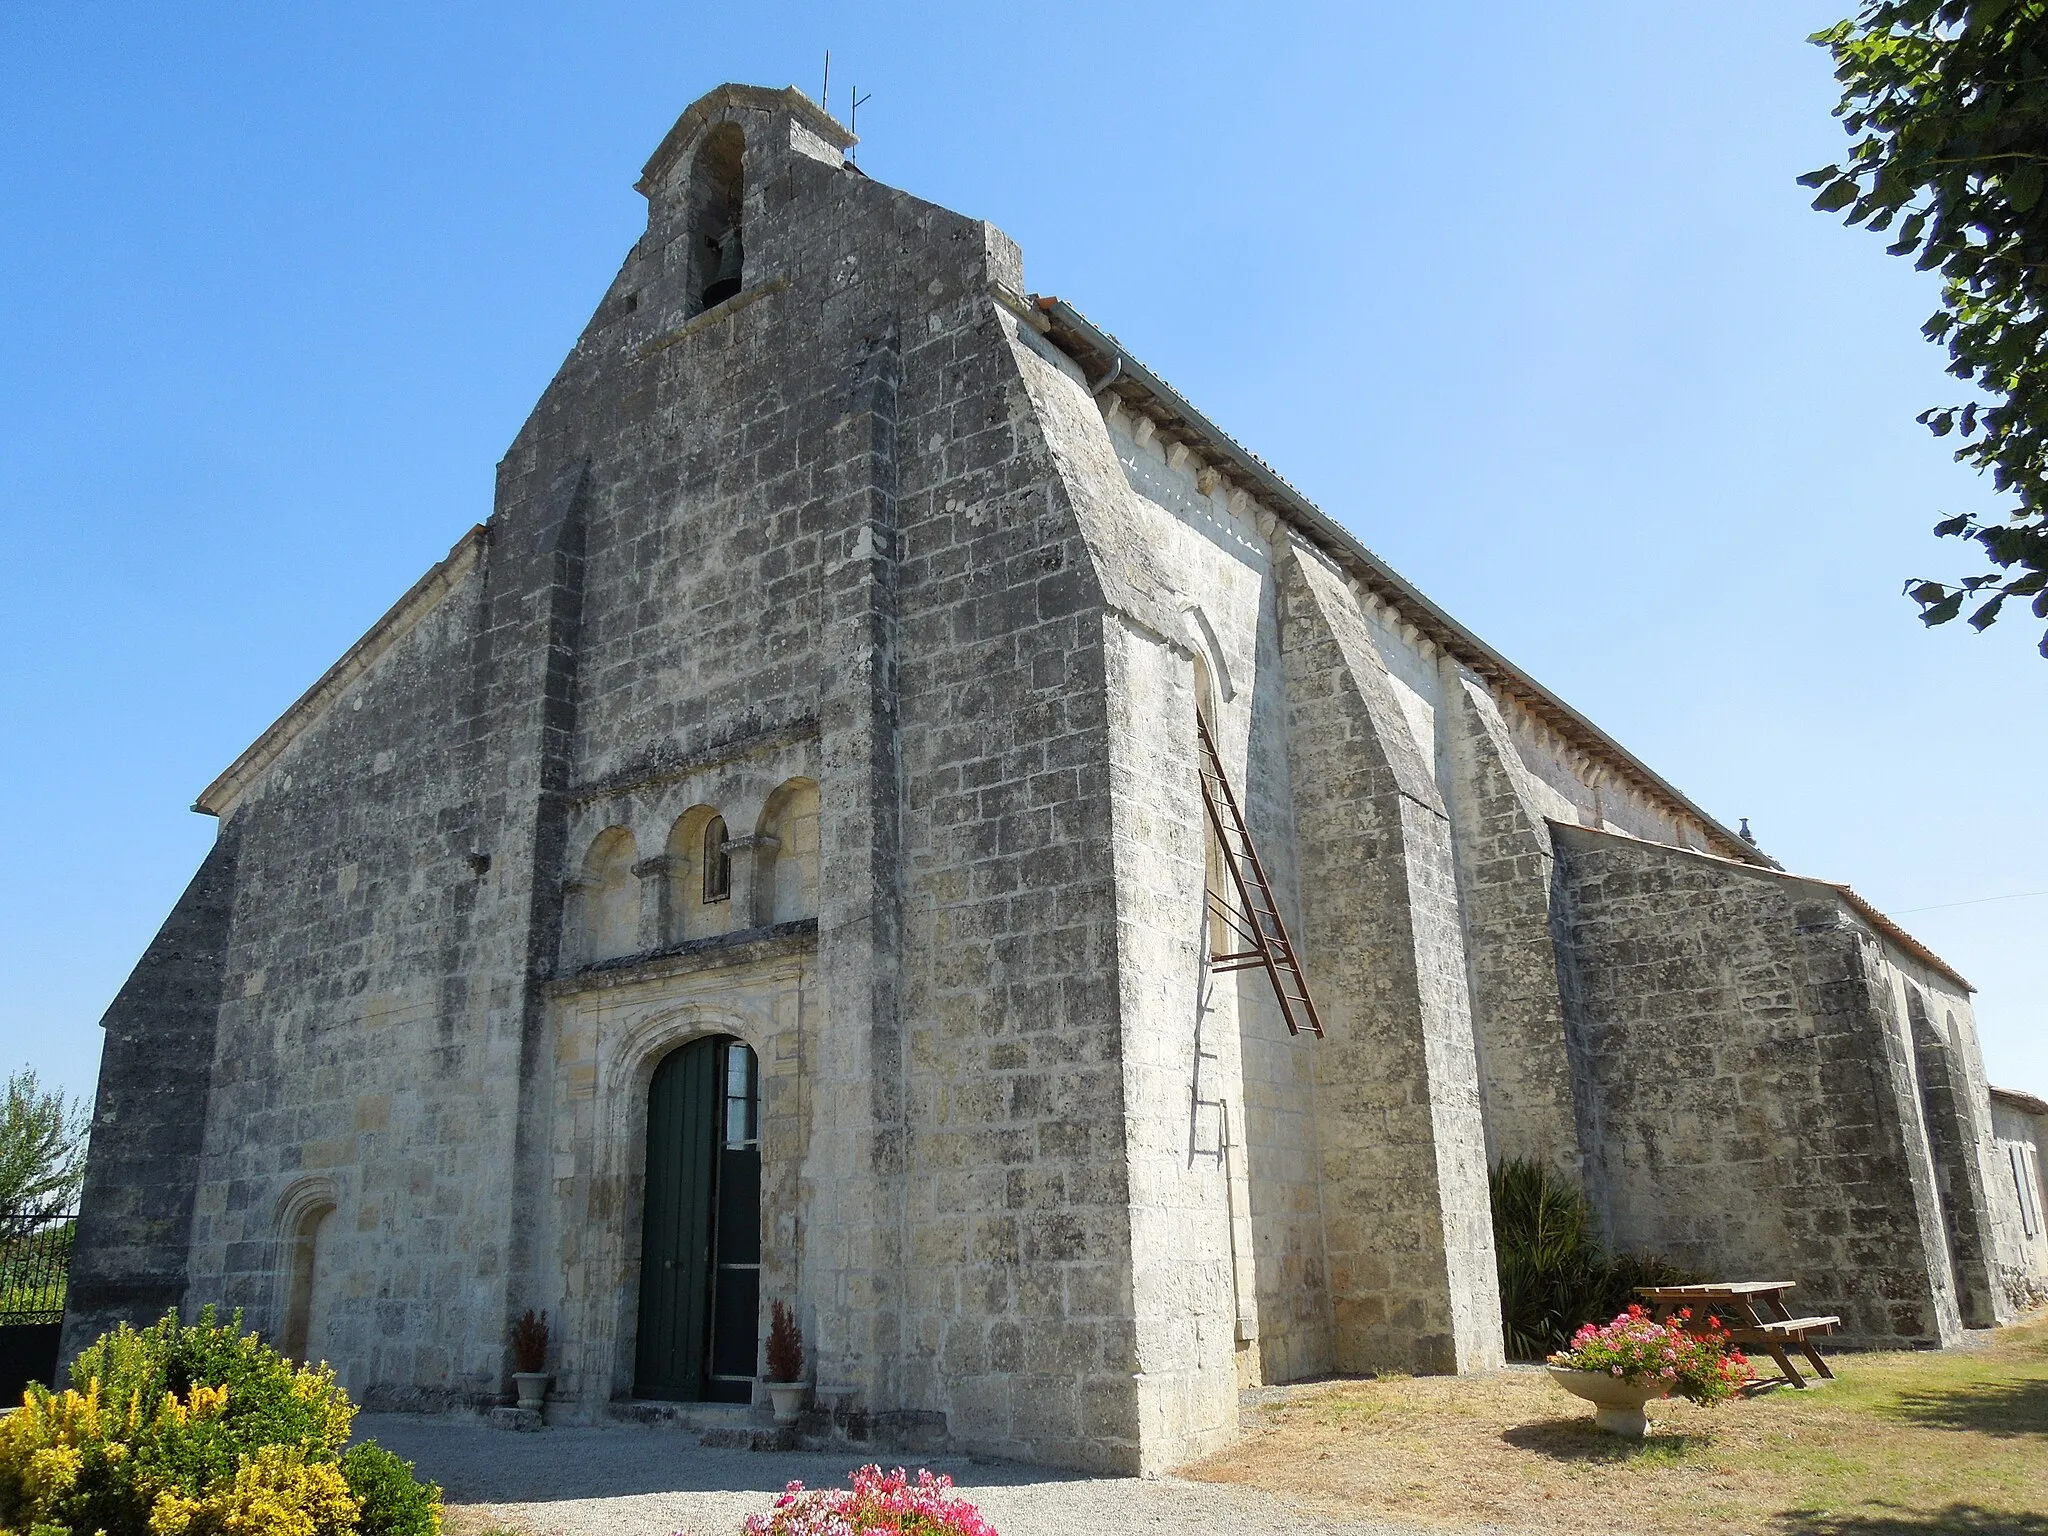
532,1387
1617,1402
788,1399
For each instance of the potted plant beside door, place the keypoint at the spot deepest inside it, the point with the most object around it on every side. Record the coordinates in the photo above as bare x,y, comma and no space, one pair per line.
530,1356
785,1364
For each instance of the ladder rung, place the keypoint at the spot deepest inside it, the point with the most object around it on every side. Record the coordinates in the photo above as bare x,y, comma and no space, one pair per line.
1261,924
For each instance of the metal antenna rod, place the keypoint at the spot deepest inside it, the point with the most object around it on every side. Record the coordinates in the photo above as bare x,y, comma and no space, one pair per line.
825,96
853,120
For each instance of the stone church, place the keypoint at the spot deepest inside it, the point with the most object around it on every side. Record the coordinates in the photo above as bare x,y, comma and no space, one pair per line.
898,813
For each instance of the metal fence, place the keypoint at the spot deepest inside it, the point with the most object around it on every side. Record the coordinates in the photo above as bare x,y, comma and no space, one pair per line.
35,1256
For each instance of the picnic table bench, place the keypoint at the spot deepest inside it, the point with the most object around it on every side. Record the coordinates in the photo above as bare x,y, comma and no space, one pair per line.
1754,1315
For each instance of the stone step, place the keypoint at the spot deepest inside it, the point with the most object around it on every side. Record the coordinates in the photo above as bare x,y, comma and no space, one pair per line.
751,1437
719,1426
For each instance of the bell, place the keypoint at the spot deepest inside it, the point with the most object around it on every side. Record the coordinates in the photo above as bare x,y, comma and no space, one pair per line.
727,282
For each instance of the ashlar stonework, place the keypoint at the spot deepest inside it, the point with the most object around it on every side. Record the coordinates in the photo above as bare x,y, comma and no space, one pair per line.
767,861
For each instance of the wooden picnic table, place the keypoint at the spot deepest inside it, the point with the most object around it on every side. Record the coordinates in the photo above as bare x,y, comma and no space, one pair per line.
1754,1315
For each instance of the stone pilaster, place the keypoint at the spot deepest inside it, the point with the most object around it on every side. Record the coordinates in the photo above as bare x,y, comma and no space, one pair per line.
855,1252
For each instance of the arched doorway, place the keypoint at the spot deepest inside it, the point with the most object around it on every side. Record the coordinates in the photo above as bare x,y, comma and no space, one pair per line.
700,1251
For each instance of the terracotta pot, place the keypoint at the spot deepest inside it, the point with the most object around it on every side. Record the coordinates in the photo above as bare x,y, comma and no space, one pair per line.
788,1398
1617,1401
532,1387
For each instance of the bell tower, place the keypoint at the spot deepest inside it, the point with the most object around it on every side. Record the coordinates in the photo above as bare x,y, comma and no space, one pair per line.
707,185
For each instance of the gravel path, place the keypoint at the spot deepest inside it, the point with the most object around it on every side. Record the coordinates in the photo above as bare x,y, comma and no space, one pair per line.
628,1481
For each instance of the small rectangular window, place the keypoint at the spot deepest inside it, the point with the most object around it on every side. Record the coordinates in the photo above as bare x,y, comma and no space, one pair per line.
717,862
742,1110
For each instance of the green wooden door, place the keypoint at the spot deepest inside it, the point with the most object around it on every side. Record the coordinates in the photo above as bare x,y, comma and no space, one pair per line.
675,1248
700,1244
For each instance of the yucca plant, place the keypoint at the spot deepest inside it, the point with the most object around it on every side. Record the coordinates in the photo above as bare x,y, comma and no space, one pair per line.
1553,1273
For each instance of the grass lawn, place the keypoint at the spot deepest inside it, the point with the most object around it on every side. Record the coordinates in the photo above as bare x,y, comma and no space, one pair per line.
1898,1444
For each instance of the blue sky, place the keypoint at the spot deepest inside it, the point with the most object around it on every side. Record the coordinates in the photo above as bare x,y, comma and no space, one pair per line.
1524,295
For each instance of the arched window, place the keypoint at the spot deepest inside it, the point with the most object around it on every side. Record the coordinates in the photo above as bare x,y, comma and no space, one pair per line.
717,862
717,208
699,875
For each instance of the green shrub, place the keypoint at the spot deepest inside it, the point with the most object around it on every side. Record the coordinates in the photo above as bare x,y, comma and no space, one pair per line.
176,1431
394,1502
1553,1274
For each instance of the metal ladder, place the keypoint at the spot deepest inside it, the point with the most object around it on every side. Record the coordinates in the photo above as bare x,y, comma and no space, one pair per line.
1254,923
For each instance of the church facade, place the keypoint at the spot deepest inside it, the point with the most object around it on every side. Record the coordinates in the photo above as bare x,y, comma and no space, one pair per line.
896,813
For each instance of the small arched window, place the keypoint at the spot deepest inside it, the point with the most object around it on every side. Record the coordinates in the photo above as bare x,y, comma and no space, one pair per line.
304,1332
717,862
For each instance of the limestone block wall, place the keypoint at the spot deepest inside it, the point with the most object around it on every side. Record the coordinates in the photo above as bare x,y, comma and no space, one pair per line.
367,1041
1755,1087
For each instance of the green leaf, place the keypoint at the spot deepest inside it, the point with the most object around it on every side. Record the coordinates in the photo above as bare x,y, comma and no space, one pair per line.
1986,616
1943,611
1839,194
1986,12
2023,186
1950,527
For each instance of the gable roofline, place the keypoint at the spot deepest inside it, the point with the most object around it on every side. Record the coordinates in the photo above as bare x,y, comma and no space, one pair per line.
722,98
421,598
1858,904
1098,353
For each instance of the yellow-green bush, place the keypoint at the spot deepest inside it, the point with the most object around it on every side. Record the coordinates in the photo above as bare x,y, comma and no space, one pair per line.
200,1431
